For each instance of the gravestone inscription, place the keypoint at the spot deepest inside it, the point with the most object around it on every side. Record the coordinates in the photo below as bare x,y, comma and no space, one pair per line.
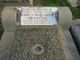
38,15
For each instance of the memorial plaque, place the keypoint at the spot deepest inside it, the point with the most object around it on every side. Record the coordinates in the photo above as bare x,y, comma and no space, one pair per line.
38,15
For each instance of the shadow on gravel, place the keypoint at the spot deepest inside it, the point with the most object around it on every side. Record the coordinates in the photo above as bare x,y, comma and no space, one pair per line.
1,29
76,39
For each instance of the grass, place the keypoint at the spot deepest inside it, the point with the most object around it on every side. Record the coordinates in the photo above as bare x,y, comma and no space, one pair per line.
31,30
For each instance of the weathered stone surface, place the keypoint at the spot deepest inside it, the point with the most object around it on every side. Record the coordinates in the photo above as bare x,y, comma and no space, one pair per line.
26,39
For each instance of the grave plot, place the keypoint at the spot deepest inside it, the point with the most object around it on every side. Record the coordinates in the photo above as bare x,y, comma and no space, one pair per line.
43,40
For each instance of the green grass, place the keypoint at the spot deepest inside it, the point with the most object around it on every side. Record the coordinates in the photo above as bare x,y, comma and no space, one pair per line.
31,30
34,29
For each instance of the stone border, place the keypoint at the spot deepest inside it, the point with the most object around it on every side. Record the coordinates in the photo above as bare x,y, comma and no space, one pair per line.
8,17
65,17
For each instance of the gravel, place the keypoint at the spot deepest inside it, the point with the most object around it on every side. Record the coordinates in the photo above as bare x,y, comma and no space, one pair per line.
26,39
